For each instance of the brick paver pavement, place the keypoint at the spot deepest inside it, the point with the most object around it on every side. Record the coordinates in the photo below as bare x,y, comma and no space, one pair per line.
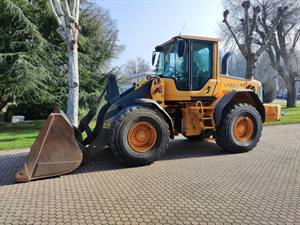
194,183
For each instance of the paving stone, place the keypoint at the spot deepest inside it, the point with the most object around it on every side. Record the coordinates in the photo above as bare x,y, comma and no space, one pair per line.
194,183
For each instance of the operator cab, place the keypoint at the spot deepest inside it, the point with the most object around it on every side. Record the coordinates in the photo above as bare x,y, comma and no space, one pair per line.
186,59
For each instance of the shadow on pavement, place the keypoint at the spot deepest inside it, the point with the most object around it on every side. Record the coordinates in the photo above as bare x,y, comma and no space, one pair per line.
106,160
178,149
9,165
183,148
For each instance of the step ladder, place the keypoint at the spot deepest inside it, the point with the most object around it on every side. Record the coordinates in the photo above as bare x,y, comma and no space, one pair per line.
207,113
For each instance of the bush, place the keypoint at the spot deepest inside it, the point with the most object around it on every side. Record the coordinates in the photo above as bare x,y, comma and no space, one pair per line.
269,91
32,111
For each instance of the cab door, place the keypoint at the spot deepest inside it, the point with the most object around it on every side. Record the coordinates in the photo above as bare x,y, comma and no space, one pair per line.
201,64
202,74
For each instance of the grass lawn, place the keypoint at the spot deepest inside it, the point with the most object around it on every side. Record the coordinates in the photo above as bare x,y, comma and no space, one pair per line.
19,135
22,135
291,115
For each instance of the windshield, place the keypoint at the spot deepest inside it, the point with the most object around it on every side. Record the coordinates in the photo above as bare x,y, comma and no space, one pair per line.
171,65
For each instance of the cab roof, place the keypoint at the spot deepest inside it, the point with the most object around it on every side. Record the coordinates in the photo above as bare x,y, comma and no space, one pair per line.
190,37
196,38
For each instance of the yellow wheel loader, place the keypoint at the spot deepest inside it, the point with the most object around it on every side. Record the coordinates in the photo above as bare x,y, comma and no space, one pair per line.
188,96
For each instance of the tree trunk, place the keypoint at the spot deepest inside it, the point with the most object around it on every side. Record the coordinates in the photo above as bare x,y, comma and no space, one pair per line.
3,110
250,66
73,78
291,93
67,17
1,117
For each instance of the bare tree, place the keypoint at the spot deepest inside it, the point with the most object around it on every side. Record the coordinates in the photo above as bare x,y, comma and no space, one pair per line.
137,66
66,13
243,33
282,48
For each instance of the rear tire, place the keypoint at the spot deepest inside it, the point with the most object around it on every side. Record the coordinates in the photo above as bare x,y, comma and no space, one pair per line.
240,128
139,136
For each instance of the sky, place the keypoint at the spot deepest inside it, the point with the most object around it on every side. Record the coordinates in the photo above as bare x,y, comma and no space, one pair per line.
143,24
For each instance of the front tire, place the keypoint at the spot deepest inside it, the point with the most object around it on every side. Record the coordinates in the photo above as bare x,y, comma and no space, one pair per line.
240,128
139,136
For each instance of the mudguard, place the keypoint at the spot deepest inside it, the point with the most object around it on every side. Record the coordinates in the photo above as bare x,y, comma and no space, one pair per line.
154,104
242,96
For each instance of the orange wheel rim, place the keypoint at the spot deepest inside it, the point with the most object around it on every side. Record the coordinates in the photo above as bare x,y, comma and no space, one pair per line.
142,136
243,128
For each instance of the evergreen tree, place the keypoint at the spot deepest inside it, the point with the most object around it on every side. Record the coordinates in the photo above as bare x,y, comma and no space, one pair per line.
33,60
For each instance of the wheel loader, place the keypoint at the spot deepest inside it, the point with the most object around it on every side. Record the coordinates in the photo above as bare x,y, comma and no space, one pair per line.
189,95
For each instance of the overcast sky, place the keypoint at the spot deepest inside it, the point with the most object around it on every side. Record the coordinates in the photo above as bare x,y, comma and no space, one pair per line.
143,24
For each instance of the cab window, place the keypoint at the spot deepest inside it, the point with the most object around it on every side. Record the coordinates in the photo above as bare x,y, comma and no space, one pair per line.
174,66
201,64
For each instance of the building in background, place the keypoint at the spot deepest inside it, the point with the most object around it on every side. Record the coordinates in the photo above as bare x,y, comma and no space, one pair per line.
130,80
282,92
298,89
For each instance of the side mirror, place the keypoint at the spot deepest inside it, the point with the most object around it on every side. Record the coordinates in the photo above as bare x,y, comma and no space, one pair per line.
180,48
153,57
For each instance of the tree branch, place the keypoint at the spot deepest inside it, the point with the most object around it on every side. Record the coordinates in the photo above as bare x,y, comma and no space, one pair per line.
54,12
260,32
282,43
77,11
58,8
257,41
73,7
246,6
277,50
296,39
270,31
273,60
289,29
55,6
68,13
256,11
225,14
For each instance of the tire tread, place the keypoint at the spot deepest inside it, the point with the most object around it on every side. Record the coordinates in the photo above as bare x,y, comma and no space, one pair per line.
116,124
221,138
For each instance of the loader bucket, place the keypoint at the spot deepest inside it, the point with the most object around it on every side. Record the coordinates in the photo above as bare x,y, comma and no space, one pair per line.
54,152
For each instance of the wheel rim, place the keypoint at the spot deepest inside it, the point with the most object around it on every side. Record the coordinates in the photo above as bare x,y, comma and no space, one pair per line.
142,136
243,129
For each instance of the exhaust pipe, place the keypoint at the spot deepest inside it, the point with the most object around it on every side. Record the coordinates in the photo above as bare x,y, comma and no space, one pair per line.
224,69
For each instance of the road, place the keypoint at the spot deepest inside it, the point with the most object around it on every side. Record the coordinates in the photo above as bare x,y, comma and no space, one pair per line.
194,183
